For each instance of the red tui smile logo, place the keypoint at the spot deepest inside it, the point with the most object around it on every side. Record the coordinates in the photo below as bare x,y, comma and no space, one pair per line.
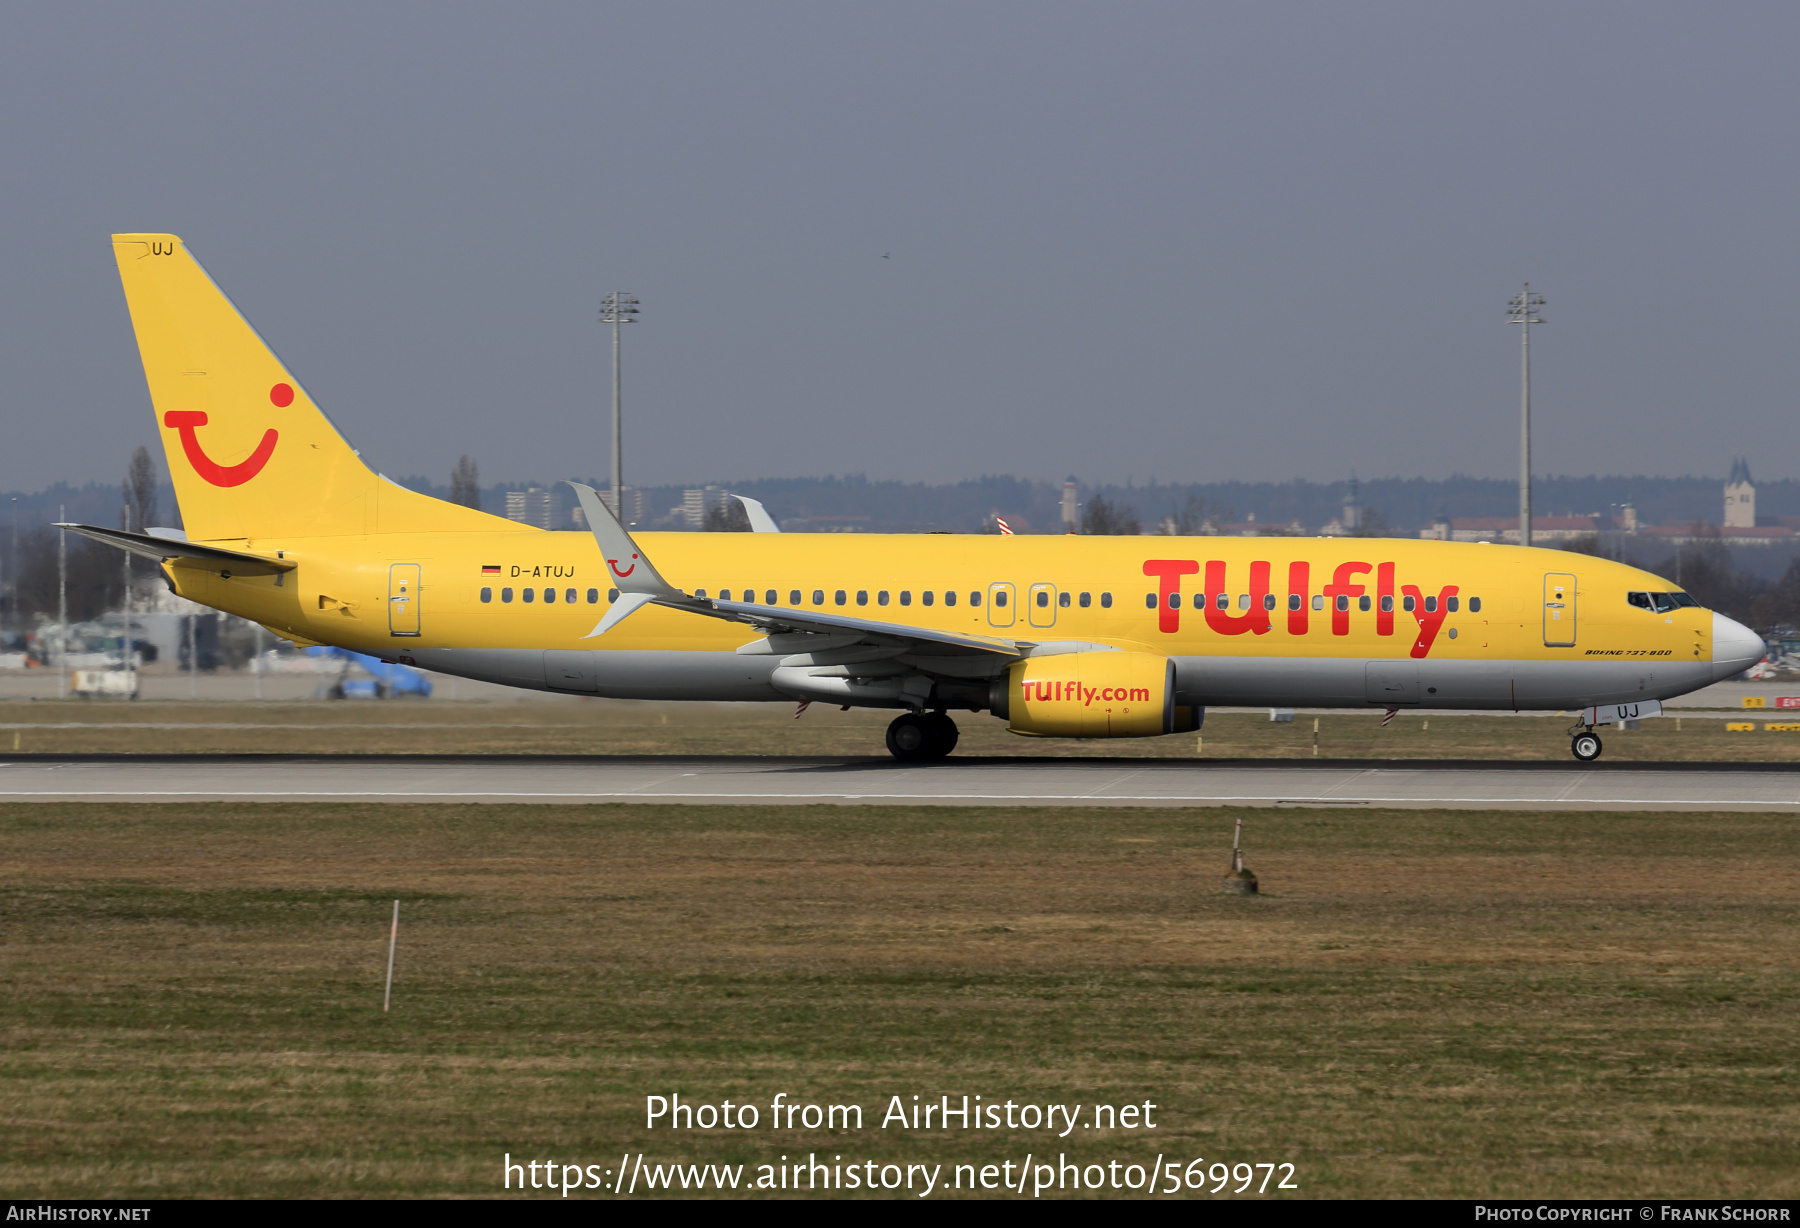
614,564
186,420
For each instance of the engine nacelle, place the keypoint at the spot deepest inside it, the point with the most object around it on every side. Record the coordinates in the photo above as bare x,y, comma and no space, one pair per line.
1093,695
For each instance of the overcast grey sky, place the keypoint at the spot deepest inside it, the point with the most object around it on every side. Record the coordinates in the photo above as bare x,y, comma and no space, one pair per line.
927,241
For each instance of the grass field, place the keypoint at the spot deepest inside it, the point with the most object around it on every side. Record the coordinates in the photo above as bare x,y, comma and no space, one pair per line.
641,728
1421,1003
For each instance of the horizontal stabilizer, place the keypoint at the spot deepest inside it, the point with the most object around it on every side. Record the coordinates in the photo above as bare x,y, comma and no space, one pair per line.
226,562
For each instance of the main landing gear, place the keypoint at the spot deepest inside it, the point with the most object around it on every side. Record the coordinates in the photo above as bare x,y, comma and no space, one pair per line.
915,737
1585,745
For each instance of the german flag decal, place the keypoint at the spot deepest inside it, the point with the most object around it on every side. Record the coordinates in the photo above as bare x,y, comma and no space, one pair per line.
490,569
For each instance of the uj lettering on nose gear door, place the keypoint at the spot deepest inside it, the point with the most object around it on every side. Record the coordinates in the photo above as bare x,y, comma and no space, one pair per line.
1559,610
403,599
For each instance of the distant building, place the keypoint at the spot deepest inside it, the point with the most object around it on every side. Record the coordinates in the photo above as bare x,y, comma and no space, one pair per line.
533,506
1071,507
1352,515
635,500
1740,497
1506,528
695,504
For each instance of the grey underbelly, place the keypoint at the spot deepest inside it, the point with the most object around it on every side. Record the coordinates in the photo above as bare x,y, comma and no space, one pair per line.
1357,683
613,675
1200,681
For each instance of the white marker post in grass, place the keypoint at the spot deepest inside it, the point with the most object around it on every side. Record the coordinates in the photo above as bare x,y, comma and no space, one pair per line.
393,941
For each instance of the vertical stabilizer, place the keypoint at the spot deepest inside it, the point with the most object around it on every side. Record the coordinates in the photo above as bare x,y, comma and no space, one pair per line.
249,453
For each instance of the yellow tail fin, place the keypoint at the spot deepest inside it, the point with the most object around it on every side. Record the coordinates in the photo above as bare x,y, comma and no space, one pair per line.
249,453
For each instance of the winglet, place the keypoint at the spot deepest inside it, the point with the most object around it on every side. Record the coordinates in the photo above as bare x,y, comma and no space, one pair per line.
638,581
630,571
760,520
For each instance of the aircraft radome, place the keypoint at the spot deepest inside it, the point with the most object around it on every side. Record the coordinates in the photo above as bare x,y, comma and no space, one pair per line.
1059,636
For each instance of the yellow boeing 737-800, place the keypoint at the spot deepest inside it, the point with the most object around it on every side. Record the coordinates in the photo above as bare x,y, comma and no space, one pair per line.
1079,637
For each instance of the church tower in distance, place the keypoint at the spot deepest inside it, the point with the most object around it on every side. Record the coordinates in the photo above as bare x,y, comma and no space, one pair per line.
1740,497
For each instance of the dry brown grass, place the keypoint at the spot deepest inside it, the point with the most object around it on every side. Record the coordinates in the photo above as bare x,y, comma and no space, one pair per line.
1422,1003
559,726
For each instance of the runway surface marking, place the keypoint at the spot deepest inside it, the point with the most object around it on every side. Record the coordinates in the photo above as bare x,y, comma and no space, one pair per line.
960,782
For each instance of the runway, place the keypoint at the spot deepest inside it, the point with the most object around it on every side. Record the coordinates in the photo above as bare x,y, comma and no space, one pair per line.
956,782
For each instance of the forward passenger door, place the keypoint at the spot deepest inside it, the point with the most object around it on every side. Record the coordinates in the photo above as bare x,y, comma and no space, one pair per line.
1559,610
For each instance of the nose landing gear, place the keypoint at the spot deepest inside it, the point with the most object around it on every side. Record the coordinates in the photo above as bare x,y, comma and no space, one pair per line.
1585,746
916,737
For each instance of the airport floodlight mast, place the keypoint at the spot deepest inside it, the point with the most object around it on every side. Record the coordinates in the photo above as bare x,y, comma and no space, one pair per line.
615,309
1522,309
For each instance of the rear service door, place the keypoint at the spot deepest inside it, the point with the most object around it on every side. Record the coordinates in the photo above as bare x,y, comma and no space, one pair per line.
403,599
1559,610
1002,608
1042,610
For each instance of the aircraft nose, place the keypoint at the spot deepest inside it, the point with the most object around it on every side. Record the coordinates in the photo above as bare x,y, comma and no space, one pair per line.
1735,647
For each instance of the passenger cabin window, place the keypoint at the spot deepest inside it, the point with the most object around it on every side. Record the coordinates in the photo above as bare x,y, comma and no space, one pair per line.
1387,604
505,595
700,593
818,596
1362,603
570,596
1318,601
487,594
1474,605
838,597
1343,601
1043,599
549,596
1174,601
1451,604
1243,601
1409,603
1000,597
862,596
593,596
927,597
1087,599
949,597
724,594
612,595
1293,601
881,597
906,596
975,599
1062,599
771,597
1149,601
1431,605
1268,601
1224,602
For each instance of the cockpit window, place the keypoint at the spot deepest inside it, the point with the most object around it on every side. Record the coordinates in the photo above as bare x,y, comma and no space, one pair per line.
1683,599
1664,602
1640,600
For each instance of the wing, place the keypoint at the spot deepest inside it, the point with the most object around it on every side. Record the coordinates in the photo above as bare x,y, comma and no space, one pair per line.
832,657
